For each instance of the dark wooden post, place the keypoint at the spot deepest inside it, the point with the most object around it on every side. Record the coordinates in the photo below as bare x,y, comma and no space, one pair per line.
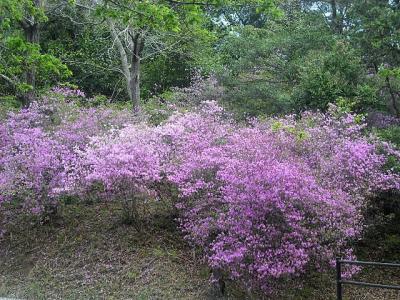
338,280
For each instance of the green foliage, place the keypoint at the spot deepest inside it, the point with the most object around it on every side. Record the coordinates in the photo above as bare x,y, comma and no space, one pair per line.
22,55
7,104
385,72
84,50
160,108
297,62
269,68
19,54
16,11
377,30
272,57
326,76
391,134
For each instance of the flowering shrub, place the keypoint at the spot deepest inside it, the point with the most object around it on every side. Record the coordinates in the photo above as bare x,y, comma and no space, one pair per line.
131,153
31,166
275,199
265,201
68,92
78,126
38,148
124,162
381,120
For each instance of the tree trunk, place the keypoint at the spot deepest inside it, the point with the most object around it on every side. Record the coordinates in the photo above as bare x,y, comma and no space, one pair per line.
130,62
135,85
135,72
32,36
123,57
336,26
31,31
393,97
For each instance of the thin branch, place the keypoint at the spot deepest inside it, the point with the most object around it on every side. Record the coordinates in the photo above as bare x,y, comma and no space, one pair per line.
192,3
84,6
8,79
127,8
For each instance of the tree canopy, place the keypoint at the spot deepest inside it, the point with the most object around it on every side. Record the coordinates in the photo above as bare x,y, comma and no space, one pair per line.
269,56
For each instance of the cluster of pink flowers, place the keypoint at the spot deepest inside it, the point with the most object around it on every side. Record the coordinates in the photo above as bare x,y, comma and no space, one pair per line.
38,146
30,161
265,201
277,198
79,125
125,162
68,92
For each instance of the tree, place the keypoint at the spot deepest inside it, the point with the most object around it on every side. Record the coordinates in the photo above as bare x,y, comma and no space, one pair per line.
312,57
143,30
334,11
21,59
328,76
376,32
264,65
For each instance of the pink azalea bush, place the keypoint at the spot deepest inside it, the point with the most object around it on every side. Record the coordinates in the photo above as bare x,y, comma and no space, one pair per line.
121,165
265,201
272,200
39,145
68,92
31,162
79,125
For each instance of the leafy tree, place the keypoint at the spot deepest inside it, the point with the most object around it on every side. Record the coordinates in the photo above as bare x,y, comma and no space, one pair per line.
263,65
326,76
143,30
307,60
335,12
376,32
22,64
82,44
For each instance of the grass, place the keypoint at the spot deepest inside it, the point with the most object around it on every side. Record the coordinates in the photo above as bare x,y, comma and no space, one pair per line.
87,253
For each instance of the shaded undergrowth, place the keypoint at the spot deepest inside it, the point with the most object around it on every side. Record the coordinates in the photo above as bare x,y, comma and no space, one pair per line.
89,253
